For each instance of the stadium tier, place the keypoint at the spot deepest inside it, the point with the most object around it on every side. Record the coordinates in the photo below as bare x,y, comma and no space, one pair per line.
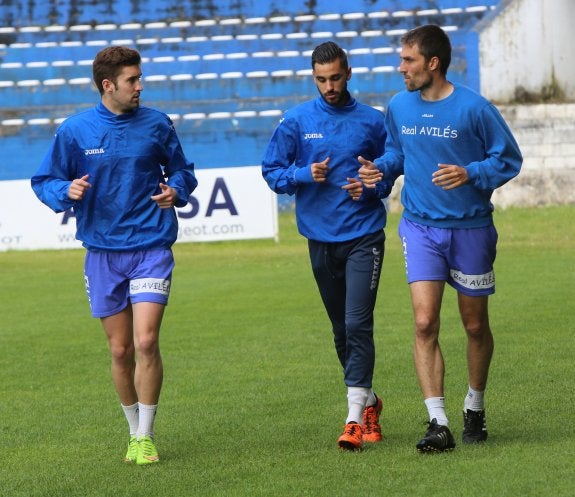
224,71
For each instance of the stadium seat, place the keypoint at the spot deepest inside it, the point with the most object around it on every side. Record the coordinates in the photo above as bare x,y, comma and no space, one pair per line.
224,74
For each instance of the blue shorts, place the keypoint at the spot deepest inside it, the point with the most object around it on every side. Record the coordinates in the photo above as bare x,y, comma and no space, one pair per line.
114,278
463,257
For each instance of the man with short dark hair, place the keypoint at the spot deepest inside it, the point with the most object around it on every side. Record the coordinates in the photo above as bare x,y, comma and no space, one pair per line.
453,148
313,155
121,168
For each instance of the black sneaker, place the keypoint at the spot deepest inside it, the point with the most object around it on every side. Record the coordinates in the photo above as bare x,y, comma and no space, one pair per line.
474,427
438,438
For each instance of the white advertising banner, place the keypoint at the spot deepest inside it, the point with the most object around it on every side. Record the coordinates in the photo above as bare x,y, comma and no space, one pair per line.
232,203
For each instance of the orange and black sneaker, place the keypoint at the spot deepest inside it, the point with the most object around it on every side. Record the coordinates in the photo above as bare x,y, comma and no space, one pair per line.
371,427
351,438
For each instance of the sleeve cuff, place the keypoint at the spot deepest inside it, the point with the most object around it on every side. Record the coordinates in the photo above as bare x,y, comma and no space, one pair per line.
303,175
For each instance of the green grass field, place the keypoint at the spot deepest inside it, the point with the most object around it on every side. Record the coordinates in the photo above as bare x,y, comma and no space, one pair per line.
253,398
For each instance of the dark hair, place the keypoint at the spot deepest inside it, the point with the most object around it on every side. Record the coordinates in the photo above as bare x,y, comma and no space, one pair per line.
110,61
432,41
328,52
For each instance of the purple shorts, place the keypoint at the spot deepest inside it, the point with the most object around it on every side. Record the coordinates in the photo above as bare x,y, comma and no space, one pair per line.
463,257
114,278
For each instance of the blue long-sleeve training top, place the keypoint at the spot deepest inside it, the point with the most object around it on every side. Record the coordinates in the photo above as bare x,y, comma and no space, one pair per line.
464,129
311,132
126,157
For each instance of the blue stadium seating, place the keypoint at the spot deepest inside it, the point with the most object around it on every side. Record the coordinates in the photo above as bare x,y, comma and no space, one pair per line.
224,70
77,12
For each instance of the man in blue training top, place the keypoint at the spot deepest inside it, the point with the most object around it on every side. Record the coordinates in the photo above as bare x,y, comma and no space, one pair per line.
121,168
313,154
453,148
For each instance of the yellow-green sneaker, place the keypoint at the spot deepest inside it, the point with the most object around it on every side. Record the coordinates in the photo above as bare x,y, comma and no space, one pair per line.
147,452
132,452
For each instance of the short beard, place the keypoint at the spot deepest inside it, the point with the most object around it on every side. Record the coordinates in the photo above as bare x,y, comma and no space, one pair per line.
341,102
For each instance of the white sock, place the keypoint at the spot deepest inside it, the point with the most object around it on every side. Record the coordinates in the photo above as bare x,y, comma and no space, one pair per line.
131,413
146,420
436,409
474,400
371,398
356,402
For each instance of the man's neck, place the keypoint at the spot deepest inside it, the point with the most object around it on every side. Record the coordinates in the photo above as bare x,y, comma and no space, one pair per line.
440,89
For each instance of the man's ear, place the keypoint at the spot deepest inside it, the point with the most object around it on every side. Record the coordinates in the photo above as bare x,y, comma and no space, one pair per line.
433,64
107,85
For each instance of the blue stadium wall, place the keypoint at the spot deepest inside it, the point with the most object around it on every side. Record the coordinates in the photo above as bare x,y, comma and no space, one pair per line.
223,70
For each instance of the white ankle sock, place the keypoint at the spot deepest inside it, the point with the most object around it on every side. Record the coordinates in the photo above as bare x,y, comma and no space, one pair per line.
436,409
146,420
371,398
474,400
356,401
131,413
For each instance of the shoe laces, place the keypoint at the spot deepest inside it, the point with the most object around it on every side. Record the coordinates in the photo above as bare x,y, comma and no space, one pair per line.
148,447
370,418
132,449
474,420
353,430
432,428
